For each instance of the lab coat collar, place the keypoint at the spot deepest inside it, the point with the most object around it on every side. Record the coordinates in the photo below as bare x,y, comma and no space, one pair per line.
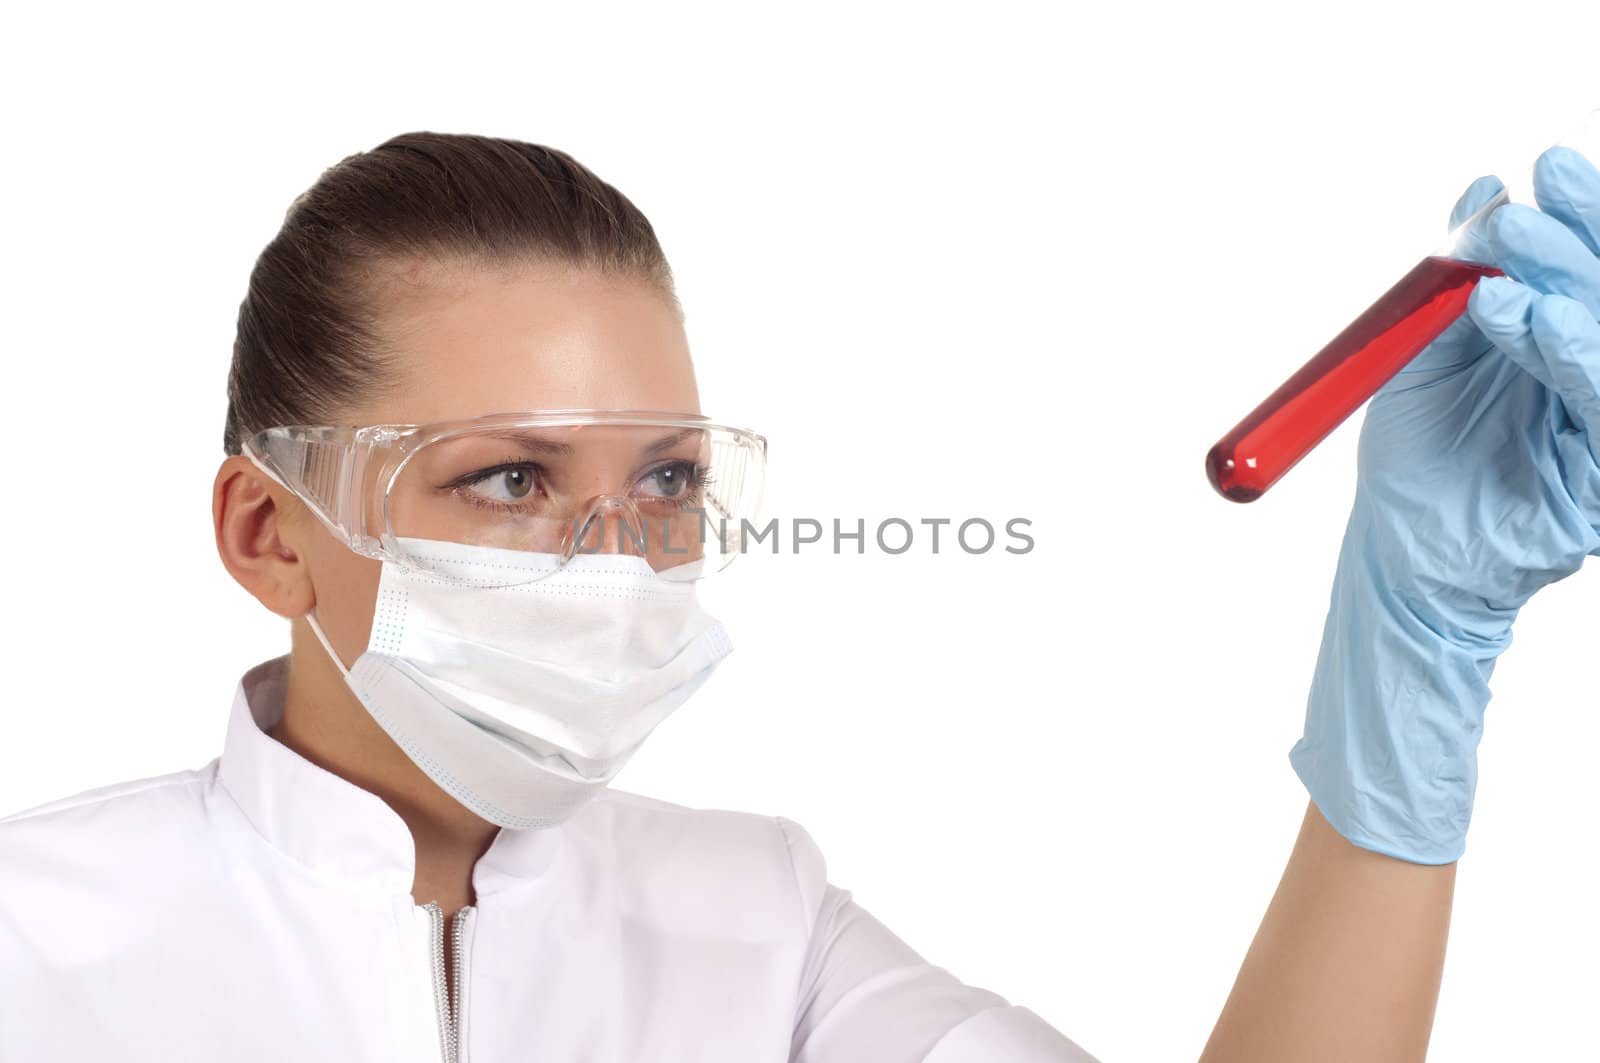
329,824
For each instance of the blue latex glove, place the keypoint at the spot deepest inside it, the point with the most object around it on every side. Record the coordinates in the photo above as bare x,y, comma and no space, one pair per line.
1478,483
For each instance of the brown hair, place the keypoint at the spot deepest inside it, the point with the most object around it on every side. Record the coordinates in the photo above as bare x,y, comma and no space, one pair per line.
307,340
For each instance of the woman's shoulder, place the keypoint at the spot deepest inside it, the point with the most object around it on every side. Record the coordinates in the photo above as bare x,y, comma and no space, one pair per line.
116,829
621,813
84,878
704,849
118,797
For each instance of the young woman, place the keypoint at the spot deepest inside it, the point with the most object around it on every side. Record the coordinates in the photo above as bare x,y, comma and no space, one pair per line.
466,460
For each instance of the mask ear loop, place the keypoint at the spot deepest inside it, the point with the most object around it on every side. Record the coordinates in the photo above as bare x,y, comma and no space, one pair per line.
316,629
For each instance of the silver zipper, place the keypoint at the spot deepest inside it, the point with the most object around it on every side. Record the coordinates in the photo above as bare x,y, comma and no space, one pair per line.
448,1005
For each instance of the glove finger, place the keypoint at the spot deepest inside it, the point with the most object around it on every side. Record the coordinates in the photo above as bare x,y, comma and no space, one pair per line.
1568,337
1502,310
1472,200
1459,344
1544,254
1473,244
1567,187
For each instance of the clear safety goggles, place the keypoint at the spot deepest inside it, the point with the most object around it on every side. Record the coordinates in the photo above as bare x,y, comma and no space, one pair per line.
675,489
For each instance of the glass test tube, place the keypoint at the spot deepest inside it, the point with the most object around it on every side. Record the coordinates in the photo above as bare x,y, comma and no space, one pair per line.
1372,349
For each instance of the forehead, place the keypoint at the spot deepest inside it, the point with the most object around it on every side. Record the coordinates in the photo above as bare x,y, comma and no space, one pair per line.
469,340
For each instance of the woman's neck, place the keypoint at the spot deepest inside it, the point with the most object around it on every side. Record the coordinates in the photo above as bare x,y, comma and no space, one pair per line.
324,722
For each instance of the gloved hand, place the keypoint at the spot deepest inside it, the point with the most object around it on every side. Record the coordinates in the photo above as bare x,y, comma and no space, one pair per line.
1478,483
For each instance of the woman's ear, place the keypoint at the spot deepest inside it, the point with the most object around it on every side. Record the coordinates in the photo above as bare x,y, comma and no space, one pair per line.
248,512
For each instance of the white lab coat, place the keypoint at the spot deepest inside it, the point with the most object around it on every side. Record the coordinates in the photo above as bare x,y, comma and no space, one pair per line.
259,908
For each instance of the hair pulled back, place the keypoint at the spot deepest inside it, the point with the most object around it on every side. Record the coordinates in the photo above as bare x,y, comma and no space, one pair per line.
307,341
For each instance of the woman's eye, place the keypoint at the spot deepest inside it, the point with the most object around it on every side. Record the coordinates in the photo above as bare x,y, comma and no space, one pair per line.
510,484
669,481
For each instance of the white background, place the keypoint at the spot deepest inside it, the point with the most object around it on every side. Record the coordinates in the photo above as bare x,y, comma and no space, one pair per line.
1025,262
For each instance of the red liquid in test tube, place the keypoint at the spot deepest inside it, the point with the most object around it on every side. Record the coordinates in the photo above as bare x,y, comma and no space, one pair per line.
1343,375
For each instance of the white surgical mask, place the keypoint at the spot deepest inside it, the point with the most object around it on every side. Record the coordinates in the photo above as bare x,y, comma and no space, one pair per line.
522,701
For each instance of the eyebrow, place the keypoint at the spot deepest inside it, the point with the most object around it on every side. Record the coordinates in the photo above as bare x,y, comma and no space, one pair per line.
667,442
536,443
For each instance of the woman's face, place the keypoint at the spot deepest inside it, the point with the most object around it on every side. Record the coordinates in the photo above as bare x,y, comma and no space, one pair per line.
472,341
